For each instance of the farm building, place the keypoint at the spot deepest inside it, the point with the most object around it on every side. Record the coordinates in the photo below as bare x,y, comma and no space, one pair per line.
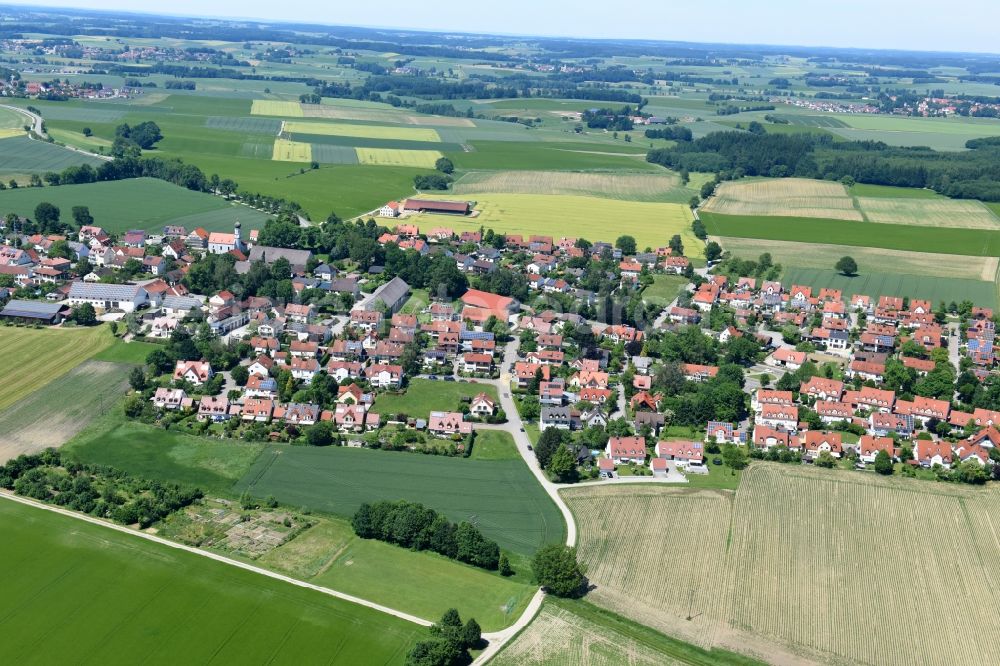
442,207
125,297
35,311
393,294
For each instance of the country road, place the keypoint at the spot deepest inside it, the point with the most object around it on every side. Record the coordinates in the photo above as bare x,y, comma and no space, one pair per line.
38,128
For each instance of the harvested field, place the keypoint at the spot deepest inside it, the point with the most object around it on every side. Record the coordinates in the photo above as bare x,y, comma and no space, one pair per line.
54,413
362,131
821,255
779,567
291,151
784,197
958,214
401,158
273,107
593,218
616,185
35,357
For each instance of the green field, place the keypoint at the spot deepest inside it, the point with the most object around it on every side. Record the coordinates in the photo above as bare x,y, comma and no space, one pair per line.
502,497
21,155
889,192
35,357
88,594
58,410
593,218
424,396
494,445
664,186
972,242
934,289
664,289
163,455
420,583
140,203
362,131
133,353
534,156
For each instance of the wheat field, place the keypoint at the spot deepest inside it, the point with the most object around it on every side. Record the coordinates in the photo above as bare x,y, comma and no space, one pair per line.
618,185
291,151
953,213
784,197
801,564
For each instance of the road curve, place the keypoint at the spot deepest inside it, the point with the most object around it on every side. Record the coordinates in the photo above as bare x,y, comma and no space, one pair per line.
36,120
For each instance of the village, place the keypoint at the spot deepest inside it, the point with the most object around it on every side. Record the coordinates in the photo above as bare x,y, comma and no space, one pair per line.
731,369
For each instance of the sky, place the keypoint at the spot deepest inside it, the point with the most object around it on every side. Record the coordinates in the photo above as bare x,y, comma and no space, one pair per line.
921,25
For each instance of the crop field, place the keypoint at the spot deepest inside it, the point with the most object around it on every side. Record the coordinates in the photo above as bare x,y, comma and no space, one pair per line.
163,455
786,196
971,242
12,120
593,218
502,497
936,133
36,357
421,583
545,156
58,410
875,284
85,593
138,203
779,565
424,396
890,192
947,213
362,131
664,186
91,143
273,107
244,125
21,155
401,158
329,154
869,259
824,122
569,633
291,151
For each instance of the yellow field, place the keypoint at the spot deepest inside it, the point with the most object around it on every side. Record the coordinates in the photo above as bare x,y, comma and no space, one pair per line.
635,186
786,197
954,213
274,107
801,563
362,131
392,157
870,260
8,132
557,636
593,218
291,151
35,357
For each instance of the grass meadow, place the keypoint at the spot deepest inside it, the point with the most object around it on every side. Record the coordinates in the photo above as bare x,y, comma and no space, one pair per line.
664,289
85,593
420,583
139,203
749,542
501,497
424,396
593,218
875,284
36,357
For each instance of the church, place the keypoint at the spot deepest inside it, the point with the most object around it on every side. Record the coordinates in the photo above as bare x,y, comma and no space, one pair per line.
220,243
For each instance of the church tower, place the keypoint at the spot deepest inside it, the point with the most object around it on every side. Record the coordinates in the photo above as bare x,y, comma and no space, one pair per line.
237,242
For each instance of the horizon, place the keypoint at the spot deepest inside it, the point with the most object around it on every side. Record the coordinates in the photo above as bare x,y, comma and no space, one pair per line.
975,39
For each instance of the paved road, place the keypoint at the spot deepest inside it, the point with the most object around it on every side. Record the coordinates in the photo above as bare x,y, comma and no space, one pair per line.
36,120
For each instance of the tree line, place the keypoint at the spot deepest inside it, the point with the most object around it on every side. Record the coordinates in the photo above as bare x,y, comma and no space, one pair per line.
415,526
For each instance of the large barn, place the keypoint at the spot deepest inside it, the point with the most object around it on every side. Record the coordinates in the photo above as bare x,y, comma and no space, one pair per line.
432,206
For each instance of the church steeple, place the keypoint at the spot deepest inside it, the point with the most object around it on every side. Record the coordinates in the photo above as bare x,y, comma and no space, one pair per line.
237,242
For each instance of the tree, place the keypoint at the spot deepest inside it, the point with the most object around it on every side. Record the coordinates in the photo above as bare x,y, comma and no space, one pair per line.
676,245
825,459
734,457
84,314
556,569
883,463
137,379
46,215
563,464
82,216
503,567
847,266
240,375
86,131
320,434
713,251
145,134
626,244
444,165
547,445
971,471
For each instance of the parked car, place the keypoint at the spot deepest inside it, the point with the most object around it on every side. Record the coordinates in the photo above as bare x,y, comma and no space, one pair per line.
433,378
716,461
449,378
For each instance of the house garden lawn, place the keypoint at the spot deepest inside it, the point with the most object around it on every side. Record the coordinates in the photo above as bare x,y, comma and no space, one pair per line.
87,593
424,396
494,445
664,289
132,353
